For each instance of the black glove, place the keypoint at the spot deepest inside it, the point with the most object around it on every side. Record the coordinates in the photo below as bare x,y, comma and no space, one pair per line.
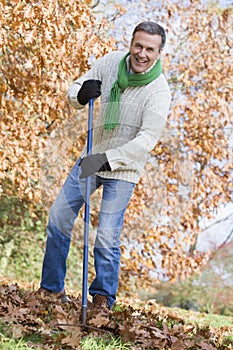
90,89
94,163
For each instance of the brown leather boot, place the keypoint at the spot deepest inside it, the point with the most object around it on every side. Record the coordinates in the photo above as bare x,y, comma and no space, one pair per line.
60,295
100,305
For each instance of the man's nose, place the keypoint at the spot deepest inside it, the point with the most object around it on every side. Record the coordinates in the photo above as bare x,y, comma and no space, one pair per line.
142,52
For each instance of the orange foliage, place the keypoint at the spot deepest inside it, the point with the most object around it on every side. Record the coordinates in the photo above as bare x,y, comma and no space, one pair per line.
43,45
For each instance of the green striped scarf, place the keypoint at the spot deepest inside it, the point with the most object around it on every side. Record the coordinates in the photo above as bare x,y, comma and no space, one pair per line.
124,79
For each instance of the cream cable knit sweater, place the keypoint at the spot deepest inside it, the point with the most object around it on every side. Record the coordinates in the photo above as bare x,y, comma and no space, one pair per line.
143,114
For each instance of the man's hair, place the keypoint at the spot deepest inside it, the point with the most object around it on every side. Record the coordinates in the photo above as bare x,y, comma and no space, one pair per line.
151,28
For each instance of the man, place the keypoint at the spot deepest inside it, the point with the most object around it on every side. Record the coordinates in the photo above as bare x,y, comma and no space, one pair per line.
135,100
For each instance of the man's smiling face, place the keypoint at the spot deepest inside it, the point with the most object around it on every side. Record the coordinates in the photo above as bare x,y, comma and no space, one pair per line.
144,51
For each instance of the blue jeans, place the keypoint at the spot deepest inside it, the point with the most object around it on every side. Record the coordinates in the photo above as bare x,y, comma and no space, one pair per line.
115,198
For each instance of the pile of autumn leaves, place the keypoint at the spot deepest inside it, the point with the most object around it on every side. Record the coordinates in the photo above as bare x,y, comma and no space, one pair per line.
145,325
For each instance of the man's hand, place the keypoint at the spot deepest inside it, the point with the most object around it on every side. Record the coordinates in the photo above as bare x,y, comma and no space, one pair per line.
90,89
94,163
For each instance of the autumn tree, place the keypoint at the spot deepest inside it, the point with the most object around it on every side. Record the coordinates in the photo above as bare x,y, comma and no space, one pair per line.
44,45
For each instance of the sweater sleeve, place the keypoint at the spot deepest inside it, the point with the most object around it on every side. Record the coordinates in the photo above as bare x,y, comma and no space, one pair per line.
136,150
93,73
96,72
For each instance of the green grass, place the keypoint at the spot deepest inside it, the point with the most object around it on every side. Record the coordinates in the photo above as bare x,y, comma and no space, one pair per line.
215,320
12,344
203,319
87,343
106,343
8,342
228,340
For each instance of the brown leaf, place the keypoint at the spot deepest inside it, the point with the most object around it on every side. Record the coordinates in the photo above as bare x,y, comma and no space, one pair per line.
73,340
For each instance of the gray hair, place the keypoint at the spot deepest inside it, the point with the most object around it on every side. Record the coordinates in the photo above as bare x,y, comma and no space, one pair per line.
151,28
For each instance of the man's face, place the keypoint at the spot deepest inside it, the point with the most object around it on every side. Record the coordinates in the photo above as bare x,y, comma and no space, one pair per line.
144,51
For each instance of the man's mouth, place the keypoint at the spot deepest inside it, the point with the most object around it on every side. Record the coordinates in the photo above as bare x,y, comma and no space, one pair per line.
140,61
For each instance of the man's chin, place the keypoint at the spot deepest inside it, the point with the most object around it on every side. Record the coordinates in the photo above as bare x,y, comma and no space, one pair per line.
138,70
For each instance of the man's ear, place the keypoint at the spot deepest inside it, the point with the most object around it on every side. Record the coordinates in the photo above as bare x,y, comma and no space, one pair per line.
131,42
159,54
